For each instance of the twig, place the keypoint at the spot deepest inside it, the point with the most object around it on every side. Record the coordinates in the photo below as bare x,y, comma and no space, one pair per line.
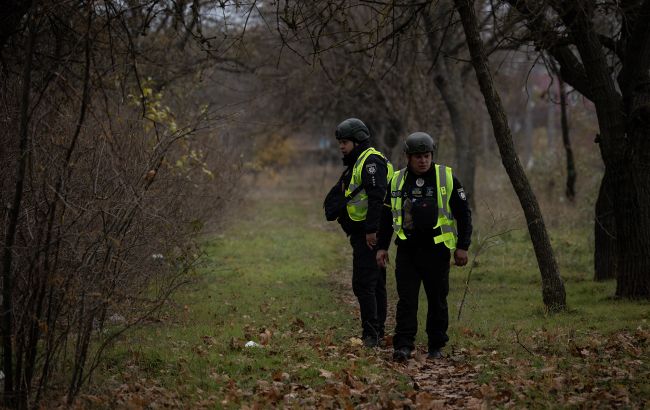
483,244
519,342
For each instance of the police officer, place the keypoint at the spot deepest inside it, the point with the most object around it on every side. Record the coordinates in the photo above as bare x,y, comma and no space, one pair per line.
426,206
368,170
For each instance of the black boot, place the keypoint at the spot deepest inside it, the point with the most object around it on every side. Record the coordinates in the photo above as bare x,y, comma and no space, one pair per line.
370,341
402,354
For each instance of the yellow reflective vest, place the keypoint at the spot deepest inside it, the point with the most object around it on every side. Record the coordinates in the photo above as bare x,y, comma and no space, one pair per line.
358,205
446,222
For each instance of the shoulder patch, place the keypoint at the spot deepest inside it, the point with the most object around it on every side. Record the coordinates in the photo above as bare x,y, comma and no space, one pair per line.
371,168
461,194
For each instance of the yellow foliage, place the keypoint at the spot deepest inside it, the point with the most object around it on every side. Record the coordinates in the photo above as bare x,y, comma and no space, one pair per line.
276,152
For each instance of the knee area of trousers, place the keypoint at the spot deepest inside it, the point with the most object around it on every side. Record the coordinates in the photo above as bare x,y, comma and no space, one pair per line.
363,291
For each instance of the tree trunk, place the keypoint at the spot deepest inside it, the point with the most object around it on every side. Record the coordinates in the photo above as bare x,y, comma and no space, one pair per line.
529,138
566,140
449,83
12,15
551,112
12,227
633,202
605,233
461,124
553,293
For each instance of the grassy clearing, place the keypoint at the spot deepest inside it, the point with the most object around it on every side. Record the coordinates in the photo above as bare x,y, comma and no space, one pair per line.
274,277
596,352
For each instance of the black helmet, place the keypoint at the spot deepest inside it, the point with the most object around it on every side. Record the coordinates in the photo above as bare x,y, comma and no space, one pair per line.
419,142
352,129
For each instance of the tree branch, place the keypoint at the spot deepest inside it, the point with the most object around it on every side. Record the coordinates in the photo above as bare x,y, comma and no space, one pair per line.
546,38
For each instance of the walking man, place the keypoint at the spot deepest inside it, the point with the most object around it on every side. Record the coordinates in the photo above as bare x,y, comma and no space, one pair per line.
426,206
364,183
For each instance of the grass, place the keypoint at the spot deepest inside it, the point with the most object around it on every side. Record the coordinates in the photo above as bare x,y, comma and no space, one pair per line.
275,275
513,340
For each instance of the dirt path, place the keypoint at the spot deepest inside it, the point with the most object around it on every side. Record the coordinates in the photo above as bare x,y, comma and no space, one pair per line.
448,383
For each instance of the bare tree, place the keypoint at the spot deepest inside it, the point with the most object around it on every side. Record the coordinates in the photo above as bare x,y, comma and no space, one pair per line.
451,80
111,180
570,191
603,51
552,287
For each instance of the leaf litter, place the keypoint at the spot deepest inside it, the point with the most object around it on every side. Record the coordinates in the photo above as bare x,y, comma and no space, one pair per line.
582,372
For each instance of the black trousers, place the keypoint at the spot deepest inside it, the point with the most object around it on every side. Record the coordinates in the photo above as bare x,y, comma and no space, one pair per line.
369,286
430,266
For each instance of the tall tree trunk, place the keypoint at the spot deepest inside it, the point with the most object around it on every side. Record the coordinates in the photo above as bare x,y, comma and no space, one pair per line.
566,140
633,202
449,82
11,18
625,148
529,138
12,227
553,293
551,112
461,124
605,232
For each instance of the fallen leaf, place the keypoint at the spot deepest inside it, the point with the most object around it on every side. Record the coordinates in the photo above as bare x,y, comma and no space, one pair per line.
326,373
355,341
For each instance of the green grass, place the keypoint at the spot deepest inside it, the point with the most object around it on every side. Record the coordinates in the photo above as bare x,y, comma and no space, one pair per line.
509,334
279,268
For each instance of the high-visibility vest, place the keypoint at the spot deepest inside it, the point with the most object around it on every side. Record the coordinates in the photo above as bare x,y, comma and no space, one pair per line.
446,222
358,205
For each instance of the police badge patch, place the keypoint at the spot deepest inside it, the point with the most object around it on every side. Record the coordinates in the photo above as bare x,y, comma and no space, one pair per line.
461,194
371,168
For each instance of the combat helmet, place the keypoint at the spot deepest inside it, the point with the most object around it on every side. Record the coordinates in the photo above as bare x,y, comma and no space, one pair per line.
352,129
420,142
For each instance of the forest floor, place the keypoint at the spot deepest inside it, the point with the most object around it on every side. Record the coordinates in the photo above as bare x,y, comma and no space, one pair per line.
279,276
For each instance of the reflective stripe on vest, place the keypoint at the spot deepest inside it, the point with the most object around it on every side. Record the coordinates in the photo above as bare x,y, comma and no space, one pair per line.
446,222
358,205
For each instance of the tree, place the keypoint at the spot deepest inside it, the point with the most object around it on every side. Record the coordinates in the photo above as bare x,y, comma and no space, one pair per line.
603,51
109,182
451,80
552,287
566,141
356,67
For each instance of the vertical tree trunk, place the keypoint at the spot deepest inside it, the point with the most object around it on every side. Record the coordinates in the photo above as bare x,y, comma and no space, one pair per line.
605,233
566,140
633,202
553,293
461,124
449,83
529,138
550,129
486,148
12,227
625,148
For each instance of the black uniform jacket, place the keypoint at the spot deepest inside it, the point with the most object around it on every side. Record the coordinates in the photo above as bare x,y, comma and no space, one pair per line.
420,212
373,179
